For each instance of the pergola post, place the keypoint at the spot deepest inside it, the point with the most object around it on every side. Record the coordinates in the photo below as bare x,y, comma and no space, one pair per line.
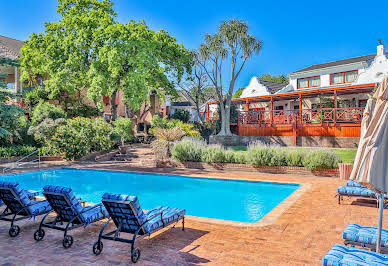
247,106
335,107
271,110
16,81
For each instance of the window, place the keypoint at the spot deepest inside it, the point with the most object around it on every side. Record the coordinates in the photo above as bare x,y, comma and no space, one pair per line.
343,77
309,82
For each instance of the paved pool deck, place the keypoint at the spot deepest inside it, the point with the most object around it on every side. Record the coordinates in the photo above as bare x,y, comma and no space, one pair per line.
300,234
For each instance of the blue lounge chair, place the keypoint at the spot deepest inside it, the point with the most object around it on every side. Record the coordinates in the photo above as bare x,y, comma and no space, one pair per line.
20,205
343,255
356,191
364,236
351,183
70,213
128,216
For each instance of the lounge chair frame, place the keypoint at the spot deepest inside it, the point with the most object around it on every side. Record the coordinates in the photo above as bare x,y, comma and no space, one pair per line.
365,245
22,214
60,224
137,234
341,198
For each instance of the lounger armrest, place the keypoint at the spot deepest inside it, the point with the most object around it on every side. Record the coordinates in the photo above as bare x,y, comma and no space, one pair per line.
95,206
152,217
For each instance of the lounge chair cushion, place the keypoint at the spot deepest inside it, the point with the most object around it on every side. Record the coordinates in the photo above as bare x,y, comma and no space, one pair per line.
72,207
351,183
31,194
356,191
122,207
24,197
169,215
364,234
343,255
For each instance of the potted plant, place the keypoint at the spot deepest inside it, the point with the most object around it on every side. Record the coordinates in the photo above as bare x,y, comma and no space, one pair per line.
123,128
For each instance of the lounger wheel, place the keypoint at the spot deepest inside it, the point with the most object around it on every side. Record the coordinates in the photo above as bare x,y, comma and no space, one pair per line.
14,231
135,255
97,247
39,234
67,241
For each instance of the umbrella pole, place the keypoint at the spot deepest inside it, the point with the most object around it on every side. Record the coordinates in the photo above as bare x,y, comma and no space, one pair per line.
381,208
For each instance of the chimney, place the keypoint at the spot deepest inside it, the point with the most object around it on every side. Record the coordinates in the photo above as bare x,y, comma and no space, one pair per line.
380,48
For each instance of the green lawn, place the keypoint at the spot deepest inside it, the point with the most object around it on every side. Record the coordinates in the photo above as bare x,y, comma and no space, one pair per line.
347,155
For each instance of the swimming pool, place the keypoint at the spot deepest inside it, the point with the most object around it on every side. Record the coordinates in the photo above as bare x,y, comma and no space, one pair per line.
240,201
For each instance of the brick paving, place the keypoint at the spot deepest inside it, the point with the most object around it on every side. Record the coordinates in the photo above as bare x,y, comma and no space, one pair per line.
300,236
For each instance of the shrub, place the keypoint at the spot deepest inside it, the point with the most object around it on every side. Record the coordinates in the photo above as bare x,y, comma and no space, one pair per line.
162,148
182,115
158,122
188,150
16,150
213,154
321,159
45,110
259,155
240,157
169,134
123,128
295,158
79,136
45,130
229,156
278,156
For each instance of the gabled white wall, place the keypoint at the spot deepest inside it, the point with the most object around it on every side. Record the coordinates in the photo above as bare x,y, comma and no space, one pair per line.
255,88
377,69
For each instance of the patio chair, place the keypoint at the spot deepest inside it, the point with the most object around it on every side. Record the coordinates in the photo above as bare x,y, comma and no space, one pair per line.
351,183
20,205
355,191
70,213
343,255
364,236
128,216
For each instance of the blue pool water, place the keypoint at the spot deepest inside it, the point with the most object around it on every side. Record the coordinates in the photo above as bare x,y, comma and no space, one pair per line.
241,201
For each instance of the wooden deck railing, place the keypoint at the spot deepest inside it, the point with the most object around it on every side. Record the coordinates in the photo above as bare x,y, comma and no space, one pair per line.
307,116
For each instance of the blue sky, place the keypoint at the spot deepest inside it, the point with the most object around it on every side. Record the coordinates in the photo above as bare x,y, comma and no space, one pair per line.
295,33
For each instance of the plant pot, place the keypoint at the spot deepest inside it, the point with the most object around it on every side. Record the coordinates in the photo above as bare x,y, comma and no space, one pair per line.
123,149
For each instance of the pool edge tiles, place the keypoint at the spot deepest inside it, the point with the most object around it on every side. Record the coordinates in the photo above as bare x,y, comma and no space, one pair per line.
267,219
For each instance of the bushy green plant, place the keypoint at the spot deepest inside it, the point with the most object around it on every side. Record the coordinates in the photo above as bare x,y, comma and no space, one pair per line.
213,154
44,131
278,156
229,156
188,150
45,110
182,115
158,122
240,157
16,150
259,155
79,136
321,159
123,128
295,158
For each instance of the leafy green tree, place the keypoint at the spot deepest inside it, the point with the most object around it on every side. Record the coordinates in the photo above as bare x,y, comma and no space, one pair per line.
11,116
45,110
238,93
234,40
123,128
59,59
136,61
280,78
182,115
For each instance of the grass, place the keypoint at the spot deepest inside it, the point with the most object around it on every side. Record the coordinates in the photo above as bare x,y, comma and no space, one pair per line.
347,155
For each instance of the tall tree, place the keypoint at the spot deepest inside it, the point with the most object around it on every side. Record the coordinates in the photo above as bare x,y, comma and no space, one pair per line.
9,113
280,78
136,60
197,87
61,56
233,40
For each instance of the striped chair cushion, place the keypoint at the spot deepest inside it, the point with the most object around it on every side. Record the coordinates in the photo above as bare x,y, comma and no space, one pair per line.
364,234
67,206
351,183
124,210
169,215
62,200
356,191
343,255
14,197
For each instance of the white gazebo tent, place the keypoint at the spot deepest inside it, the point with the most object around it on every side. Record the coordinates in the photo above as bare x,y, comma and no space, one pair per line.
371,163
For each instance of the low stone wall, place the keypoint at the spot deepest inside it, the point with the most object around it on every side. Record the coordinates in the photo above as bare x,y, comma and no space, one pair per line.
293,170
302,141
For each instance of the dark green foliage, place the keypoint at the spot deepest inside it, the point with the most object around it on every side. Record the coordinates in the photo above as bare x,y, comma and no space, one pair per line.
182,115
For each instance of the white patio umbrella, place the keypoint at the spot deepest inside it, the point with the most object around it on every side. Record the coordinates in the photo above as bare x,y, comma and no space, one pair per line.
371,163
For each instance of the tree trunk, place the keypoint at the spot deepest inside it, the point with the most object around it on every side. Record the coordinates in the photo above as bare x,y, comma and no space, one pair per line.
225,120
113,105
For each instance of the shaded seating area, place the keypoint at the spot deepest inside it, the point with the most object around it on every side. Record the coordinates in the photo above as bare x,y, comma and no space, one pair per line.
343,255
20,205
364,236
128,217
70,214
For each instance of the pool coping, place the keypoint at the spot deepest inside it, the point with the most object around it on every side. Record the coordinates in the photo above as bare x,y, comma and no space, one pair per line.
268,219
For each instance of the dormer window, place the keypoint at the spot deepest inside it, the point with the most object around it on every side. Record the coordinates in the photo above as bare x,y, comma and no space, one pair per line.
309,82
343,77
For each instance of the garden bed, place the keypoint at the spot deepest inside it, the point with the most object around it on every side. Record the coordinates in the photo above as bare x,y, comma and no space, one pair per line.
293,170
42,158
